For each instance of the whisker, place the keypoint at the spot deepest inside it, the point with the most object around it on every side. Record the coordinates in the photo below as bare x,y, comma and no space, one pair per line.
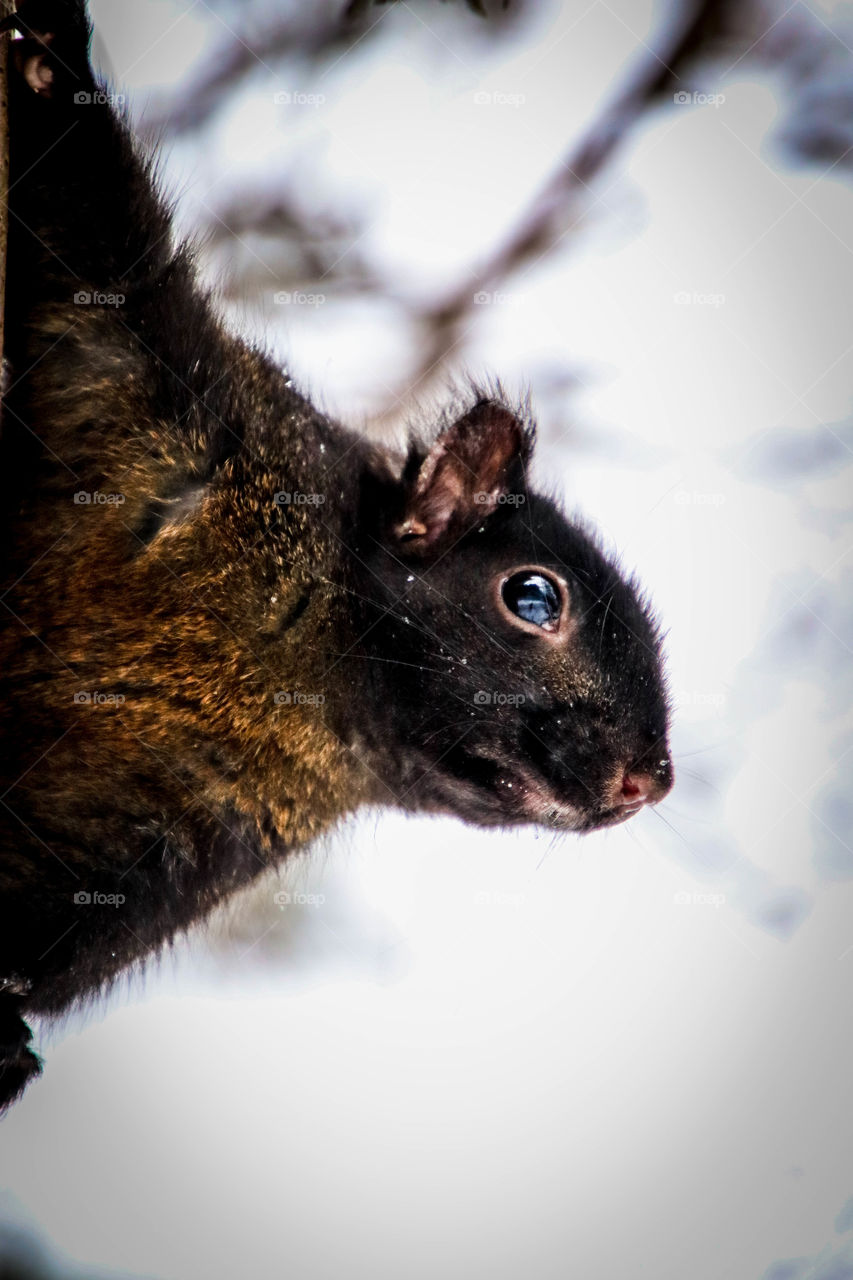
657,813
712,746
697,777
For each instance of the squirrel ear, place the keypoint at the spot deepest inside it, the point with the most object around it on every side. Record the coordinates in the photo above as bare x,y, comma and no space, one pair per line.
463,477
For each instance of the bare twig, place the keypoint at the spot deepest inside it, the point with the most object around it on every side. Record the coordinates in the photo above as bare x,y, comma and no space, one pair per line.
307,34
308,37
558,209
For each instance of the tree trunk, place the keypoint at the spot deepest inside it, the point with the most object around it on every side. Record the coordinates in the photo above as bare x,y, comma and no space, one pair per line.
6,8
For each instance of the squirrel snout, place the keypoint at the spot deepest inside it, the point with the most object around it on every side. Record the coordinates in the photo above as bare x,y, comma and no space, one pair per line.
637,788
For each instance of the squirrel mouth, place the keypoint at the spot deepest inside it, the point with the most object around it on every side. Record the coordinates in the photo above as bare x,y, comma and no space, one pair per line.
540,803
486,791
535,801
526,797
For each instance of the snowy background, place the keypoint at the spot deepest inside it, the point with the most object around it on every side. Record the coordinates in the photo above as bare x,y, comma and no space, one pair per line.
469,1054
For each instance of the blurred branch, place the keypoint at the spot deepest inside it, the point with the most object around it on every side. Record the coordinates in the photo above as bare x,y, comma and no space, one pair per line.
815,57
294,246
357,7
307,33
281,241
701,29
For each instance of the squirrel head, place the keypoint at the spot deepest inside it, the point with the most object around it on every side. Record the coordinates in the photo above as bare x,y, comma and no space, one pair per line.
516,672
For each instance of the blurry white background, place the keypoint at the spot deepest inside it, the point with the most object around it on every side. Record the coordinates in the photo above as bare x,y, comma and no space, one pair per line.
468,1054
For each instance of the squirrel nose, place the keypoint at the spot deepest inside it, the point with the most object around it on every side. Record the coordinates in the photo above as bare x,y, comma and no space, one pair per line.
636,789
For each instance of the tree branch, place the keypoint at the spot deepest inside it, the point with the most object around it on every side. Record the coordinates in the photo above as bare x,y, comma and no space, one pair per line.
558,208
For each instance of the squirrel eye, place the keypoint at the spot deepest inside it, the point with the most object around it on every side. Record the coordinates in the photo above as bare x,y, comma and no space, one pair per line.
533,598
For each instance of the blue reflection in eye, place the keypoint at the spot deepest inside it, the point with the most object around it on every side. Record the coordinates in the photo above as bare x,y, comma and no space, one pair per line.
533,598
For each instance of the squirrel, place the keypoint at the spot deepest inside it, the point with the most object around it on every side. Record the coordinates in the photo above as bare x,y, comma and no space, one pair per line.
228,621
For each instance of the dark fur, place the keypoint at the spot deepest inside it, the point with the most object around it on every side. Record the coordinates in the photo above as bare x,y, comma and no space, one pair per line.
198,598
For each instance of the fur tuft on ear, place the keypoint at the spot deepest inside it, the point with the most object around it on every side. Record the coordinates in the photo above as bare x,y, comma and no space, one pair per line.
472,465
